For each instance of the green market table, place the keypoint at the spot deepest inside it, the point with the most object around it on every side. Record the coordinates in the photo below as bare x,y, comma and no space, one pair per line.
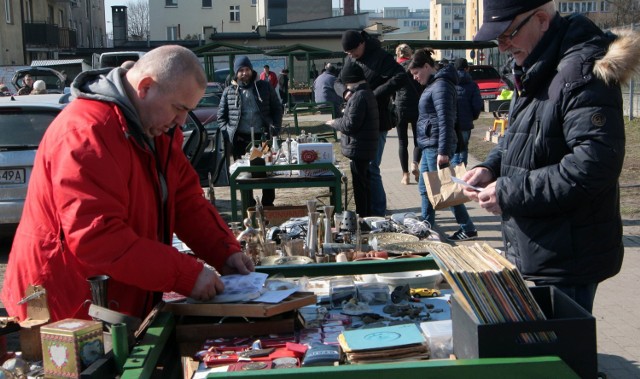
246,184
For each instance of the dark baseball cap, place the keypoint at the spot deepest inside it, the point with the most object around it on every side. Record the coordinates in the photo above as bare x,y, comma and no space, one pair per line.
498,15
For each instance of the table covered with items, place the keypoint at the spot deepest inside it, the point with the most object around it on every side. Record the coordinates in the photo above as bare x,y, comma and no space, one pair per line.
335,294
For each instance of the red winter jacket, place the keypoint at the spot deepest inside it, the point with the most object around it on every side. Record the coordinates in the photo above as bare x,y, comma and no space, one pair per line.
93,208
272,79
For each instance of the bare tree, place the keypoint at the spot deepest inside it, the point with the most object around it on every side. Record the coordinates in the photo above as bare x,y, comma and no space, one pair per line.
138,19
623,12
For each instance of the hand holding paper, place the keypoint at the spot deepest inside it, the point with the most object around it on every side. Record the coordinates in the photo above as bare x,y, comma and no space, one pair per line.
465,184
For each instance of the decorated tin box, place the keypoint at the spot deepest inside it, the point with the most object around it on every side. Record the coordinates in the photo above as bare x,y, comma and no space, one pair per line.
69,346
315,153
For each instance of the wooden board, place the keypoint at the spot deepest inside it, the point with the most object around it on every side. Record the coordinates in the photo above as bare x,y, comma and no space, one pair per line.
295,301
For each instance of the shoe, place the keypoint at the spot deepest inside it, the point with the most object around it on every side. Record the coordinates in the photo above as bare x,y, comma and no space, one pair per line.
405,178
415,170
461,235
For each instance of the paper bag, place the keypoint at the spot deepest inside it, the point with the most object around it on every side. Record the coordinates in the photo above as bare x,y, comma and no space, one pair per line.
442,191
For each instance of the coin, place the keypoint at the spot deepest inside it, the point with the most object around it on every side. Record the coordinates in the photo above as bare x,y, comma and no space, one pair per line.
254,366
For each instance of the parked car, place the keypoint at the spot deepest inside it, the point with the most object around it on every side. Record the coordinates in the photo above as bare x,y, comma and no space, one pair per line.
54,80
207,108
489,81
214,88
23,122
221,75
213,165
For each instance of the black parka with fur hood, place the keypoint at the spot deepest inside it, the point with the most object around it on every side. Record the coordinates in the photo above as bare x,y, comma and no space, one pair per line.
560,159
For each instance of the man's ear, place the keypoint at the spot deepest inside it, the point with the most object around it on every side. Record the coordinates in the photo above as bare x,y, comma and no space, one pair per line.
144,85
545,20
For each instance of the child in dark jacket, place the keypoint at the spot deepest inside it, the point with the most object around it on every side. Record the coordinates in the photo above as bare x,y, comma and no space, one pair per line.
359,128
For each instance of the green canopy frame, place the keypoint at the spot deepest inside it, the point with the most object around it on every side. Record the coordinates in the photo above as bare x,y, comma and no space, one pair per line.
217,49
306,52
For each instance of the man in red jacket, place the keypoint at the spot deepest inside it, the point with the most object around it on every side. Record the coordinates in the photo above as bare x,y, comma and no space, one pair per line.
269,76
110,186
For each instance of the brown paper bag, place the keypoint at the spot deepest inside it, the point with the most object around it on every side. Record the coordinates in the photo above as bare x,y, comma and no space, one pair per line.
442,191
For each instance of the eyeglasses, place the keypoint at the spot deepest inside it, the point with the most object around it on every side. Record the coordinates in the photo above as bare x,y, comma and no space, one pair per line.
503,38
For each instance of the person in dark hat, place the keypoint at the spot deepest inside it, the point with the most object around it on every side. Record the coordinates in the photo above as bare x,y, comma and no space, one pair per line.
323,88
385,76
245,104
556,185
359,128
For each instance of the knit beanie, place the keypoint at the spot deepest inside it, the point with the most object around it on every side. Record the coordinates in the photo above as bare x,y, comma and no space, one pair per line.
351,73
241,61
351,39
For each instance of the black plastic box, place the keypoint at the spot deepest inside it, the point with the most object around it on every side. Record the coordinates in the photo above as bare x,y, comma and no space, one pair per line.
575,329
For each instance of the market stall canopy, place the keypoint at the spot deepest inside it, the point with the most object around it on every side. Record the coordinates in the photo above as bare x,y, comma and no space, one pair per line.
304,52
217,49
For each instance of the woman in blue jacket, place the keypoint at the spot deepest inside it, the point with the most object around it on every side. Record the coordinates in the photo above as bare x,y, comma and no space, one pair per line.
436,133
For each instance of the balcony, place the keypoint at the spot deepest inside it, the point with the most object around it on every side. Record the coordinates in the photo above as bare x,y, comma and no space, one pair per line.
44,35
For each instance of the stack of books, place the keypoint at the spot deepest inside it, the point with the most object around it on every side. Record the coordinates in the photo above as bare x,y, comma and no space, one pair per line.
489,287
384,344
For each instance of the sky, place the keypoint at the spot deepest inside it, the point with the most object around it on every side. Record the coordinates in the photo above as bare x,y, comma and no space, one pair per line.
364,4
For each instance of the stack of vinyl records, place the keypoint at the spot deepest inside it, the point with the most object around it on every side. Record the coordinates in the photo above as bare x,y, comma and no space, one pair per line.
489,287
384,344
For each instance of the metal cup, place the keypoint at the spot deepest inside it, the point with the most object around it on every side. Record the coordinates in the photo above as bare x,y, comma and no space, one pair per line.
99,290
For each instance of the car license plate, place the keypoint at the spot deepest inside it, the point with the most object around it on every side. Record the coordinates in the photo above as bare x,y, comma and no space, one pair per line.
12,176
488,97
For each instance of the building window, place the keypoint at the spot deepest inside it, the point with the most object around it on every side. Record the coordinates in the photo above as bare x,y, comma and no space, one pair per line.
61,18
234,13
170,3
206,3
8,11
172,33
254,3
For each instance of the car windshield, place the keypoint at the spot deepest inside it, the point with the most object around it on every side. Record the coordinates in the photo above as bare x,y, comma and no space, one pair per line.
23,129
483,73
209,100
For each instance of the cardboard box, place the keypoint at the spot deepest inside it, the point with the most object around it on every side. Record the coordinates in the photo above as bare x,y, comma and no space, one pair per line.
309,153
69,346
574,327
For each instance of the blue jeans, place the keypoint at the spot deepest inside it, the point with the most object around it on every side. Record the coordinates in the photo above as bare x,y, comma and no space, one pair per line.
463,155
378,196
429,163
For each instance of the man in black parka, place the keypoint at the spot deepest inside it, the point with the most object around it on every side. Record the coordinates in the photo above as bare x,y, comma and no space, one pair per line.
385,76
554,176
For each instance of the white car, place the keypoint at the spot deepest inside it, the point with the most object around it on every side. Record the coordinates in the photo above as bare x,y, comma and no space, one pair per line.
23,121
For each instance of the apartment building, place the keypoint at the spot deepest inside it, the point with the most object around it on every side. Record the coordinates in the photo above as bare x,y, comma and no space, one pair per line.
192,19
45,29
402,19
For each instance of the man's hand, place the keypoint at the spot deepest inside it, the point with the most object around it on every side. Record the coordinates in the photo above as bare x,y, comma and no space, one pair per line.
238,263
479,177
489,200
330,122
207,286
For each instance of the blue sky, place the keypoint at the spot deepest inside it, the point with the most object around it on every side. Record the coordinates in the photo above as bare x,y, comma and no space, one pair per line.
364,4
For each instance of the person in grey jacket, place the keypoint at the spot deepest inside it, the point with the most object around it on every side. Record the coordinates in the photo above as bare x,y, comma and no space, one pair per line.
359,128
469,108
323,90
249,103
554,177
436,134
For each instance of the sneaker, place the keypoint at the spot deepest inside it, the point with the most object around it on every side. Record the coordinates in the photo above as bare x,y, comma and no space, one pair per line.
461,235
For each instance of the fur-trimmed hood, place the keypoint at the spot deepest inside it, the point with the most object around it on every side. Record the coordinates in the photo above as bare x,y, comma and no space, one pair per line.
622,60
